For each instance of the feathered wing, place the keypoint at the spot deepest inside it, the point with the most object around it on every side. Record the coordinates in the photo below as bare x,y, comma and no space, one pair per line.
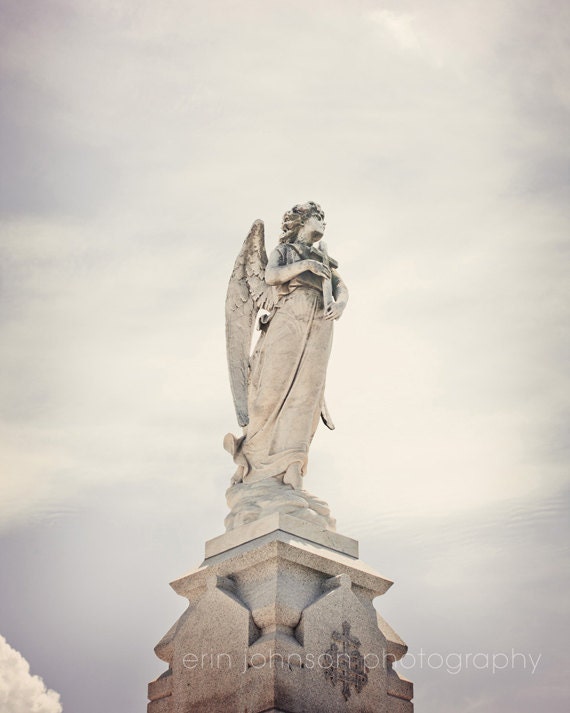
247,294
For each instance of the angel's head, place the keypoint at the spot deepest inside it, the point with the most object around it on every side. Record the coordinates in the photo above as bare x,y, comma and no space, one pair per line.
300,215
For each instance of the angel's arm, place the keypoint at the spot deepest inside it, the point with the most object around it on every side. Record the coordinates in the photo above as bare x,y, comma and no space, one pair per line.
277,274
340,294
340,290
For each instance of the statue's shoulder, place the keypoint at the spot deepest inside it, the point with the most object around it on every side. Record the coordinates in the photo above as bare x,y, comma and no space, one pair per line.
286,253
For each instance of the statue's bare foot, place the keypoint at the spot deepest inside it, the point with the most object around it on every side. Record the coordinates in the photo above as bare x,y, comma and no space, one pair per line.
293,476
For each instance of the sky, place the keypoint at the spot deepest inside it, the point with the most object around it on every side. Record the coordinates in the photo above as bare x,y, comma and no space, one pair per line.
140,141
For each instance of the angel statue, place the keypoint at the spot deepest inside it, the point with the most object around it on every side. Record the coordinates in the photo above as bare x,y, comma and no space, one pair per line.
294,298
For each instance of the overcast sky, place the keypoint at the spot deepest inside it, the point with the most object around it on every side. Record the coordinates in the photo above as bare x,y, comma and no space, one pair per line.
139,142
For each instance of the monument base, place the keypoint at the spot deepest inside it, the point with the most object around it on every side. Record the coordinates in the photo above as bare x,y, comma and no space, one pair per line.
281,620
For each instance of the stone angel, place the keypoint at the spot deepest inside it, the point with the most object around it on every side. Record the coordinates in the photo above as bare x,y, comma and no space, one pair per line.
279,391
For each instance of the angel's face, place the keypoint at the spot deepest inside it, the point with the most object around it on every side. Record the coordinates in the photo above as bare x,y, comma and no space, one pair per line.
312,230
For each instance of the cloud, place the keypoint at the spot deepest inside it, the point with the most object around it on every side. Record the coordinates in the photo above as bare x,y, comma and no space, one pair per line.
20,691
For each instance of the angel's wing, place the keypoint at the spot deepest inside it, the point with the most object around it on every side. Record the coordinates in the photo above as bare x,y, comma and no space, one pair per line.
247,294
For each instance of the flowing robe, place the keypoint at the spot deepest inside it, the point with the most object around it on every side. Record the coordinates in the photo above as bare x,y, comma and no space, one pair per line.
287,377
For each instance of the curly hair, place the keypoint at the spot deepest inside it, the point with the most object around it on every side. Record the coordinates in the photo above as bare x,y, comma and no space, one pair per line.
294,219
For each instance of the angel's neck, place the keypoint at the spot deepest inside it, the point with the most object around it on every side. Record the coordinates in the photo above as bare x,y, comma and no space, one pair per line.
308,240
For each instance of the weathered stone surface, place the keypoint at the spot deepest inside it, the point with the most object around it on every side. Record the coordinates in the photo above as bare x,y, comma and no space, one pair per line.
399,687
249,502
310,556
353,676
262,618
287,525
398,705
161,687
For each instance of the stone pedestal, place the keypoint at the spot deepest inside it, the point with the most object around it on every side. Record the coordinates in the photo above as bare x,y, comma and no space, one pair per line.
280,620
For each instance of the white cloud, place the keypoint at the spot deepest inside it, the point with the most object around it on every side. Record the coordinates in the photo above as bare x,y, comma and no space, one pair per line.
20,691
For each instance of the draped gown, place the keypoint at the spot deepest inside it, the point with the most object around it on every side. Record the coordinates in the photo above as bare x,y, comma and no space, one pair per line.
287,376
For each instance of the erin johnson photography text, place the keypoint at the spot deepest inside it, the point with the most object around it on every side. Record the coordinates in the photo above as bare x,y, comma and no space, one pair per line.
453,663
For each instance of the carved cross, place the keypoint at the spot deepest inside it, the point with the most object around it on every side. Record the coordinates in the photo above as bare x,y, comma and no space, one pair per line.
345,638
347,664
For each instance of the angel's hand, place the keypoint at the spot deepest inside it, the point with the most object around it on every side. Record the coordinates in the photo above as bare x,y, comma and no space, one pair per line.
334,310
317,268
